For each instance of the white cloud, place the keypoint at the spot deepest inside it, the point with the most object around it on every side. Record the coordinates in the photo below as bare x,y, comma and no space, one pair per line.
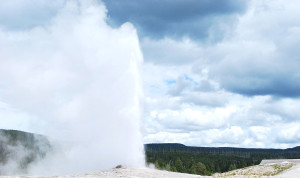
253,70
231,136
260,133
289,133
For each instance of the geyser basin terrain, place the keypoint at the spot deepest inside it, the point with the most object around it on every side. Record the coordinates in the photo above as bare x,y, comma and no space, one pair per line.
76,80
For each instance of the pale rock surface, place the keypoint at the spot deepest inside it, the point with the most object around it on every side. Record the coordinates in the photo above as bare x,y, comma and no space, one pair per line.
258,171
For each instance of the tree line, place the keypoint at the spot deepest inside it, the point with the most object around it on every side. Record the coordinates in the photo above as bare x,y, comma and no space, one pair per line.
210,160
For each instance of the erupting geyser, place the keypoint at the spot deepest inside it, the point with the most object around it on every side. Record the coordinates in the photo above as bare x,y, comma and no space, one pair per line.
76,80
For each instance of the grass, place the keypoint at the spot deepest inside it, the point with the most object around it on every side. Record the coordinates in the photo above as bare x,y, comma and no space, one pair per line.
281,167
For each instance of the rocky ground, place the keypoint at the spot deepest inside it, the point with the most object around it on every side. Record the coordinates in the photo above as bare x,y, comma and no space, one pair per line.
269,168
126,172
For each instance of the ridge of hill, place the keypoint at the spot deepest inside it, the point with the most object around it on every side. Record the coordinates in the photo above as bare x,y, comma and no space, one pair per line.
244,152
19,149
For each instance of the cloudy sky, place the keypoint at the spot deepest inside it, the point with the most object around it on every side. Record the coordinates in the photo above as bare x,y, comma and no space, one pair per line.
215,73
218,73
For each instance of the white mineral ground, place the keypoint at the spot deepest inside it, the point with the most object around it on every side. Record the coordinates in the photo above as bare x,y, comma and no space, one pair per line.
262,170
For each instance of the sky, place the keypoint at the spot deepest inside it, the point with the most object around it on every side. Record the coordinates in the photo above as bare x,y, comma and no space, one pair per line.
218,73
215,73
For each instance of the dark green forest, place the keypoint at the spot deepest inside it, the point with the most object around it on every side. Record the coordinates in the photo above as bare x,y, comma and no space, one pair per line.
209,160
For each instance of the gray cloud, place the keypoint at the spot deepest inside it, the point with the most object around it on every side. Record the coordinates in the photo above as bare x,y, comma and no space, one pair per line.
261,57
206,99
256,75
181,84
258,57
206,86
173,18
170,52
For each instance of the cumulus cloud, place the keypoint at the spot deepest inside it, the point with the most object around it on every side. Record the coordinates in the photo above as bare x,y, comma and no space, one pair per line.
181,84
232,136
77,80
258,57
220,118
289,133
159,19
25,14
259,133
253,69
262,60
168,51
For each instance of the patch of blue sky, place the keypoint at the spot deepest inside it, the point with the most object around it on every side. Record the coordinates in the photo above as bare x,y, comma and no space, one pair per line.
170,82
188,78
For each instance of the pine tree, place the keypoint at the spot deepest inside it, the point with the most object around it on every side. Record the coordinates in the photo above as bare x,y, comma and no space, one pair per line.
190,167
218,169
200,168
178,165
156,164
232,167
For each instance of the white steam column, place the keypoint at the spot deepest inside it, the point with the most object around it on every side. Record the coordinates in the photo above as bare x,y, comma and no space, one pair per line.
77,80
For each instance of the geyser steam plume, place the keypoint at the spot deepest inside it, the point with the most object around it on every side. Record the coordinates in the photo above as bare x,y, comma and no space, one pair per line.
76,80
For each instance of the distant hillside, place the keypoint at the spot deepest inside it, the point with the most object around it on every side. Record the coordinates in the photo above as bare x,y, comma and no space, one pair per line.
289,153
208,160
19,149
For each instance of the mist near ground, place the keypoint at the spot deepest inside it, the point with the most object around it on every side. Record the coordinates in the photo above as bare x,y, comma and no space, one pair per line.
19,150
77,81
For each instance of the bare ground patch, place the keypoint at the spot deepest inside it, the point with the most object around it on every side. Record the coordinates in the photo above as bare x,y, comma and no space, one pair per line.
258,170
